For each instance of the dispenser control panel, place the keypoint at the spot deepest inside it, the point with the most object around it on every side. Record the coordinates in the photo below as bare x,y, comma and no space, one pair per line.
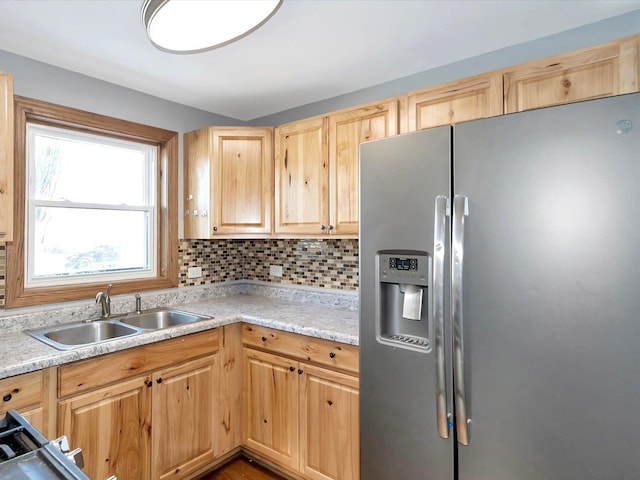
404,267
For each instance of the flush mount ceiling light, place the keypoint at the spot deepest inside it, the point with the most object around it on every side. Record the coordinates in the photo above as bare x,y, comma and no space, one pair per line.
192,26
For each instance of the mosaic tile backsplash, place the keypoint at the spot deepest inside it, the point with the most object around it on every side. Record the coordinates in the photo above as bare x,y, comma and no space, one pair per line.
314,263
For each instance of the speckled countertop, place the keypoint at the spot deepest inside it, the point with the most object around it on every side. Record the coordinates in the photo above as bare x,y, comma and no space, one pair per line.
331,316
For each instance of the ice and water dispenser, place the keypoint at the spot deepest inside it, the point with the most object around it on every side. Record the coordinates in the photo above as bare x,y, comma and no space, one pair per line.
404,313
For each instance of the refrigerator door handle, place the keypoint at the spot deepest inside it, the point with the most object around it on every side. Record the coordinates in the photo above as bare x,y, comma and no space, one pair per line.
439,250
460,210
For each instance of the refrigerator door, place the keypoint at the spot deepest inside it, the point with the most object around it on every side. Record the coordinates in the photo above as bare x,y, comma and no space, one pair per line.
403,180
551,292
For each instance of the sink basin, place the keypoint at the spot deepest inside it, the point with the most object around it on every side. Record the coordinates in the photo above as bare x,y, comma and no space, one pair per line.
65,337
160,318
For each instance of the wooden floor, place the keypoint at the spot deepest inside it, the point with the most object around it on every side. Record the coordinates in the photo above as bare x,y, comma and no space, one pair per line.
242,469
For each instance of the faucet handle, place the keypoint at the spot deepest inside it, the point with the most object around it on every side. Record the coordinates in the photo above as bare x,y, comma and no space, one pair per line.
109,288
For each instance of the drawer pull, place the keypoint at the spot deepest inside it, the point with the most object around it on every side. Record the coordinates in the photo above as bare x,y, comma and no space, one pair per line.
6,397
264,339
292,369
300,371
332,355
148,383
159,380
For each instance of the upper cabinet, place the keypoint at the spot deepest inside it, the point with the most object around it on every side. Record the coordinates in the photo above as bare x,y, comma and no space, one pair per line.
316,164
467,99
301,180
601,71
228,182
6,157
347,130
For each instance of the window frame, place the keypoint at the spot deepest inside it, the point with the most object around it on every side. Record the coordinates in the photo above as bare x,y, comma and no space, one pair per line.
27,110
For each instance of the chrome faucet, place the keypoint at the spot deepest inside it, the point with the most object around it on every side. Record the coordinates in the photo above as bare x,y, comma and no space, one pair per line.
138,304
105,302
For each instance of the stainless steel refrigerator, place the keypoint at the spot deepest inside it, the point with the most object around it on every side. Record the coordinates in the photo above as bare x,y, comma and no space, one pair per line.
500,298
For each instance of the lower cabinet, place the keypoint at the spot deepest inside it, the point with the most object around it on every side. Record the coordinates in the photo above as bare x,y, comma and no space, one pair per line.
329,424
143,413
27,394
300,416
112,425
183,418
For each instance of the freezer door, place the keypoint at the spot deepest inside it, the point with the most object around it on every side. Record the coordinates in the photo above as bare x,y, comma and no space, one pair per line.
402,181
551,292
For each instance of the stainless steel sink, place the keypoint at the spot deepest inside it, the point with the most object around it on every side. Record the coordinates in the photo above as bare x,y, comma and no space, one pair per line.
74,335
82,334
160,318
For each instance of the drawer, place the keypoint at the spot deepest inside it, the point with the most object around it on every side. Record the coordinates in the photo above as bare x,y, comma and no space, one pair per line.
20,391
339,356
100,371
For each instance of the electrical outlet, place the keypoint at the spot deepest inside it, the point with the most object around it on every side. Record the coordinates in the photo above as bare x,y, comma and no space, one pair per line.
194,272
275,270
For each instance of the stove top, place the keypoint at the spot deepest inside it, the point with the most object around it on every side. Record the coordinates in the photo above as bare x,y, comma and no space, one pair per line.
26,454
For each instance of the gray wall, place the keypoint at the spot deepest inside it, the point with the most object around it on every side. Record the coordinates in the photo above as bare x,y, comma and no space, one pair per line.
585,36
56,85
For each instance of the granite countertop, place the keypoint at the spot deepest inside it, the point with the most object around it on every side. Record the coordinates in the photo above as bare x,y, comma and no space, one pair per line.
21,353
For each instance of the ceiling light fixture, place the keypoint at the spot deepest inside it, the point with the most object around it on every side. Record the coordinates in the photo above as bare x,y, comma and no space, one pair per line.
192,26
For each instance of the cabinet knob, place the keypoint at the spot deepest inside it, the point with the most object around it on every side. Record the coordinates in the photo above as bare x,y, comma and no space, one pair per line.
186,213
6,397
190,197
300,371
264,339
195,213
332,355
159,380
323,227
292,369
215,229
330,227
204,213
148,383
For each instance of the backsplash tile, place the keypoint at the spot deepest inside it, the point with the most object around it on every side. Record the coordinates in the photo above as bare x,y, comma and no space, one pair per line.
316,263
329,263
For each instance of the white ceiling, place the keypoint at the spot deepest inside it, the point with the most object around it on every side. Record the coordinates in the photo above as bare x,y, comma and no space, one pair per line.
309,51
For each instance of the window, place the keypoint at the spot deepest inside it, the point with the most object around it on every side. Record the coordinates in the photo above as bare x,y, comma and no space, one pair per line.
99,188
96,203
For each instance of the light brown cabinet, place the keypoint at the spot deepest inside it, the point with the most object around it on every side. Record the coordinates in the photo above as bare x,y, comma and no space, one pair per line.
270,407
329,424
147,412
316,165
600,71
28,395
301,403
112,425
347,130
6,157
228,178
183,418
301,177
454,102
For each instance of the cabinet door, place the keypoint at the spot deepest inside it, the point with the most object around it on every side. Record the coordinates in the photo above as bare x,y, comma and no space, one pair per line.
6,157
197,188
347,129
329,425
112,426
602,71
454,102
242,177
301,177
270,407
183,409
